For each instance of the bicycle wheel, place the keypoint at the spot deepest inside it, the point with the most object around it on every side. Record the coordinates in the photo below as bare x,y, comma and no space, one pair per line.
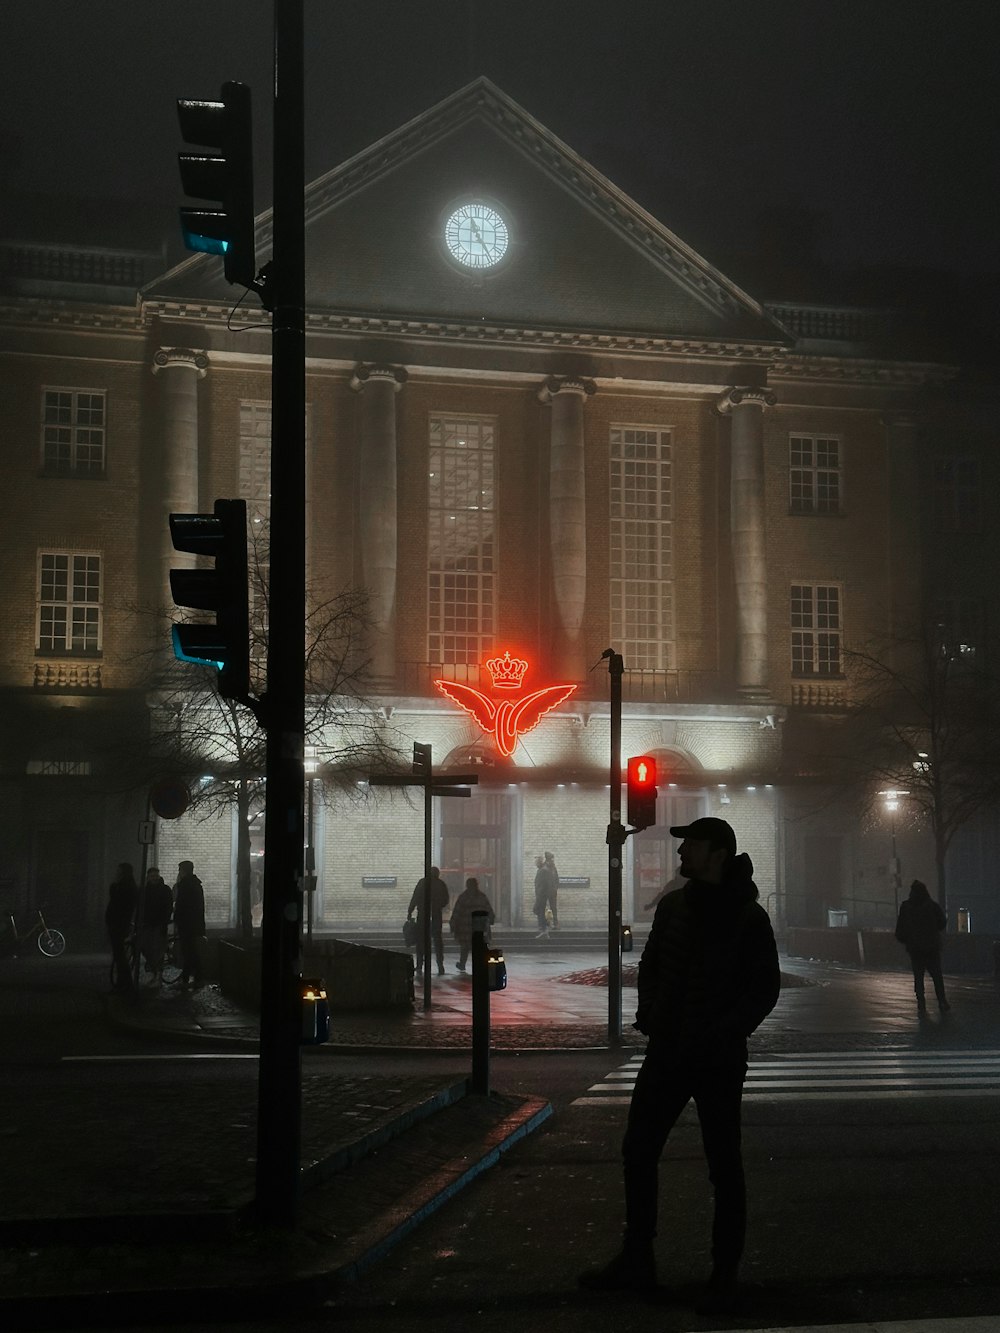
51,942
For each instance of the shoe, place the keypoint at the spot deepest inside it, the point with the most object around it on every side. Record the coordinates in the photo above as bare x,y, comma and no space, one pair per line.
460,967
944,1006
440,971
721,1295
634,1269
542,935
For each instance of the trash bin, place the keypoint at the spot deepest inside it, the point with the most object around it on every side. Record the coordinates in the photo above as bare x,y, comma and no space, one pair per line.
836,916
627,941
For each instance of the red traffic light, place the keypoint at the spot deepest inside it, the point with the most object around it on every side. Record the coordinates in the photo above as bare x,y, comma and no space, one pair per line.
642,791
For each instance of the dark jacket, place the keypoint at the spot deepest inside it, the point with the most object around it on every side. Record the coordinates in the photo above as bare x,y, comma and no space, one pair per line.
157,904
920,925
189,906
122,899
709,973
467,902
439,899
545,881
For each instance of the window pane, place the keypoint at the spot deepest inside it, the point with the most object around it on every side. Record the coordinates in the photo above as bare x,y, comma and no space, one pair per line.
640,546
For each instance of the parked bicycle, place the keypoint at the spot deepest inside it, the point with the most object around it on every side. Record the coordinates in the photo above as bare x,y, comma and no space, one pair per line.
51,942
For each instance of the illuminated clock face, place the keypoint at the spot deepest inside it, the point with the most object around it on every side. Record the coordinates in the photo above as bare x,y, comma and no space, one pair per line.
476,236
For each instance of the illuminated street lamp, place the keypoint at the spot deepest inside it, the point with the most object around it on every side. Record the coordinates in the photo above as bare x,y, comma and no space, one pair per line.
891,799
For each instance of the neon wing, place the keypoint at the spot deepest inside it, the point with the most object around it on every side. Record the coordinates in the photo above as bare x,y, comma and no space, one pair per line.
526,714
474,703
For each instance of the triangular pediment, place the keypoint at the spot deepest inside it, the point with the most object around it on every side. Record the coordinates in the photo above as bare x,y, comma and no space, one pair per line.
580,254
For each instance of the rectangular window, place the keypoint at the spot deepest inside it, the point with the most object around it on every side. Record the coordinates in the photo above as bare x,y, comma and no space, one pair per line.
255,488
461,542
73,432
69,603
813,474
816,629
957,489
642,594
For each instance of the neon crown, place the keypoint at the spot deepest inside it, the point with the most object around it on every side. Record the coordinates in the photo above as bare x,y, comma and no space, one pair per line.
507,672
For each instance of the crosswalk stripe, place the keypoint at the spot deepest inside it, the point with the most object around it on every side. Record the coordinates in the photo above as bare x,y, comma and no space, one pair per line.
840,1075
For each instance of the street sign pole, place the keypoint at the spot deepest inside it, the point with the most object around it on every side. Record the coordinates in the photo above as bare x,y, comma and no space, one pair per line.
455,784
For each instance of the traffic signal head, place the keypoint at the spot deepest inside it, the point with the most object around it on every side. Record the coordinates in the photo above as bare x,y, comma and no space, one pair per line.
224,590
225,177
642,791
421,760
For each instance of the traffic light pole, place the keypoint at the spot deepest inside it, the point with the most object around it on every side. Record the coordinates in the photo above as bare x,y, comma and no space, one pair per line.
616,847
283,706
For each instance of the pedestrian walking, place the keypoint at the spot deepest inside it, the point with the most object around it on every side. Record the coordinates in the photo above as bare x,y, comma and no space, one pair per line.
708,977
471,899
919,926
553,888
157,910
546,894
119,915
439,901
189,921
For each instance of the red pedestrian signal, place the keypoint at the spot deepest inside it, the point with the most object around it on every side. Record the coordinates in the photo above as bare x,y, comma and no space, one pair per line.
642,791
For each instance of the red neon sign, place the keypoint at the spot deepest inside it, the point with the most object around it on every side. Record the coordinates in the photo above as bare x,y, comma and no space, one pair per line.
506,719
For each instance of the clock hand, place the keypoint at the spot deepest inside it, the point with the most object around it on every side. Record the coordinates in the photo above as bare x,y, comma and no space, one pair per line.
479,234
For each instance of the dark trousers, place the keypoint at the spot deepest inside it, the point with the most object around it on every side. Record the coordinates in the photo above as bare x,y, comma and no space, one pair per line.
929,961
663,1088
123,969
190,960
437,943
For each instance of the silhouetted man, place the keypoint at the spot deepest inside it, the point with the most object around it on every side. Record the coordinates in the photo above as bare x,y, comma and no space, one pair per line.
439,901
708,977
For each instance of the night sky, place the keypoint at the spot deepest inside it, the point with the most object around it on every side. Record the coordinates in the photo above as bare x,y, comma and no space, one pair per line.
784,140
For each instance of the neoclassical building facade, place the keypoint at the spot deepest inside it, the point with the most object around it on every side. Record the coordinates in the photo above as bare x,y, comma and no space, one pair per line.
538,424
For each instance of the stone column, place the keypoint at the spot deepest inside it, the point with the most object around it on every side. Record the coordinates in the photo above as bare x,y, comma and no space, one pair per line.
181,369
568,518
378,386
745,408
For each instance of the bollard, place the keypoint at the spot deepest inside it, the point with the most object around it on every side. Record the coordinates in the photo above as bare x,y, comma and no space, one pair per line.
480,1082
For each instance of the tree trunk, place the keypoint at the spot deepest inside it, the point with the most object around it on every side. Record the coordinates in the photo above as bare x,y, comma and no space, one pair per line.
942,884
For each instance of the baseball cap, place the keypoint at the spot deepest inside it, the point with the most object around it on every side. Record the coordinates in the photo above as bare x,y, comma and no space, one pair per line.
709,829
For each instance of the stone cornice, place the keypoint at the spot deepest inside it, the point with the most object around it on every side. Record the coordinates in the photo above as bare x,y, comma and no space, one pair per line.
88,319
506,335
860,370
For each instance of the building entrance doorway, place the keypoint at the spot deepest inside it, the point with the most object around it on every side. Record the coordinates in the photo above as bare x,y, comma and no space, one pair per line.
476,840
